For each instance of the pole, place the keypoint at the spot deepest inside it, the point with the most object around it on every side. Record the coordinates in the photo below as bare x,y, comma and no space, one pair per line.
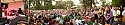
29,11
91,4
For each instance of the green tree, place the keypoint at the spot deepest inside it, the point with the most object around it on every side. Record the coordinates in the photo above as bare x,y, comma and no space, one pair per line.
103,2
47,4
63,4
116,2
87,3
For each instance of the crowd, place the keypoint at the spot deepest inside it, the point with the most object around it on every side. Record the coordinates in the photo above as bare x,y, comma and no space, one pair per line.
108,15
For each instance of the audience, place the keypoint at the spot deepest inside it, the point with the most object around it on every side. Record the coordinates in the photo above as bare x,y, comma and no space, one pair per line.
102,16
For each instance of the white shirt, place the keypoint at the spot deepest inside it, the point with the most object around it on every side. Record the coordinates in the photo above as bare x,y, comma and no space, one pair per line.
77,21
104,12
112,9
116,12
57,18
123,13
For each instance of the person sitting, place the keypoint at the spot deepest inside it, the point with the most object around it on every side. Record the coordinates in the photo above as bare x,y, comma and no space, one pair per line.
96,16
8,22
123,14
118,22
20,11
21,23
108,15
116,12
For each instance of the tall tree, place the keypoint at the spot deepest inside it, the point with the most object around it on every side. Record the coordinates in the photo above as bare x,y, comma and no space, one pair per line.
116,2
